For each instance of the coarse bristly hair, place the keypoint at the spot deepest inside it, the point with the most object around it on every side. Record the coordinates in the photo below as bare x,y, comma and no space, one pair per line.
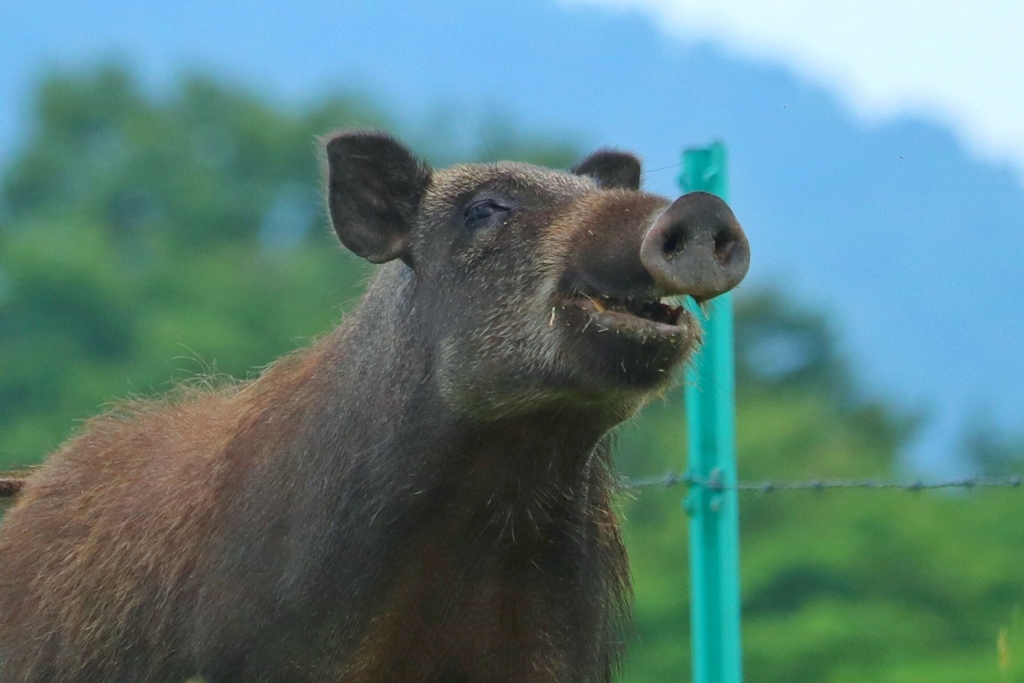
424,494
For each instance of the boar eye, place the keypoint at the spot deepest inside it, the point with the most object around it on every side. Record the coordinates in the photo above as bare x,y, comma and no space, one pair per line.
479,212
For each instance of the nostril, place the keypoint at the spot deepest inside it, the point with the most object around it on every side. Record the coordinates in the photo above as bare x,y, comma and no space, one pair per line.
674,243
725,244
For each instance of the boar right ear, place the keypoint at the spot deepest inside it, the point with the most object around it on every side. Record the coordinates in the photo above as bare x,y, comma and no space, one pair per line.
374,189
611,168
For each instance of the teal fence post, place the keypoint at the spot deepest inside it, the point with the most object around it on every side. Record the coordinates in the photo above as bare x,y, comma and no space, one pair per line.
711,429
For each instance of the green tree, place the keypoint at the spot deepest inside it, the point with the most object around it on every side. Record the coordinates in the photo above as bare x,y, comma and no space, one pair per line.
146,239
991,450
837,586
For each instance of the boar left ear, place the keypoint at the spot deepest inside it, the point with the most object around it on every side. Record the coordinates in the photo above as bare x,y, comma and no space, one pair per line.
611,169
374,189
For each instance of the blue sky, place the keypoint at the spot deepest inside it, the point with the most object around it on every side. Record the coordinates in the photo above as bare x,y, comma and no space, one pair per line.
894,200
946,61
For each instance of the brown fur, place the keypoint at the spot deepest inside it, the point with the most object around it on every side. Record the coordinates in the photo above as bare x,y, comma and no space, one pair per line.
422,495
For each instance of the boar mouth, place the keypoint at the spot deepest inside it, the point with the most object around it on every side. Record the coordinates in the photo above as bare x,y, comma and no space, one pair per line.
631,337
641,313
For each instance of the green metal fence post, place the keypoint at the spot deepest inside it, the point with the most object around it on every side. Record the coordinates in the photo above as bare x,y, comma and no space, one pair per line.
714,514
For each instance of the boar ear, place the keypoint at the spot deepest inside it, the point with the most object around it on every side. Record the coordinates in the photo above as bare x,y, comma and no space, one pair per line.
374,189
611,169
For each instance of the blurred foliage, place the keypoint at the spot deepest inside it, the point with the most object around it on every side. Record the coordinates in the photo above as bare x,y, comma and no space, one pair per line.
1010,648
147,239
991,450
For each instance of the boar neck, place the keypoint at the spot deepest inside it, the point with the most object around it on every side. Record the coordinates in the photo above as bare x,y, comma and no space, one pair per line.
378,466
387,411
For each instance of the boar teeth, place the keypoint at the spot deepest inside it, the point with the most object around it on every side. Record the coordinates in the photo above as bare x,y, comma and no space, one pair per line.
657,311
663,310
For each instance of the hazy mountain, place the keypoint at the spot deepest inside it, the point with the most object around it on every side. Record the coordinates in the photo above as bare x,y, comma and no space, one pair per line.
910,242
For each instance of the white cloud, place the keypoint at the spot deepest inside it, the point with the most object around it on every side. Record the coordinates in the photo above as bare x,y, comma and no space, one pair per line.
958,63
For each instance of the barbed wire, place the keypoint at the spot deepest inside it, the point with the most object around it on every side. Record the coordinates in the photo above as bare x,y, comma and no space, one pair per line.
10,486
715,483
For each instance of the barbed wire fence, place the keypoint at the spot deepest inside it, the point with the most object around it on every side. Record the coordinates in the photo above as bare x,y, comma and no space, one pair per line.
11,485
716,483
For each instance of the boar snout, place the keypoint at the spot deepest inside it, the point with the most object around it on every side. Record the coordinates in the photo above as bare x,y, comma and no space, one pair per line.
696,247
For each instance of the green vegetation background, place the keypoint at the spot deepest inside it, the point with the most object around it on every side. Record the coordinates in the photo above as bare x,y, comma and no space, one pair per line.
145,239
